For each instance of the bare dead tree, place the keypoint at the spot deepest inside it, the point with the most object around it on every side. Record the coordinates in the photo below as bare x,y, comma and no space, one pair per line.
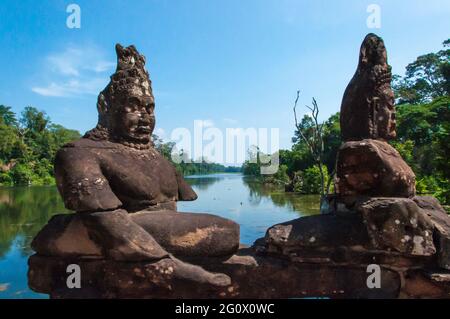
315,142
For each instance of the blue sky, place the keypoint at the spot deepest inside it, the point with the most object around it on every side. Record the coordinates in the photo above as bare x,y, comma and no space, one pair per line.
235,63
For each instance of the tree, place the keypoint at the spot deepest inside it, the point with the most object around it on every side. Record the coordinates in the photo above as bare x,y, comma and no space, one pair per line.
165,149
33,120
8,141
426,78
28,146
7,117
310,131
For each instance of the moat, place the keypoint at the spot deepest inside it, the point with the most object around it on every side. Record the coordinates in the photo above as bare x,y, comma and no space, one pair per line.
25,210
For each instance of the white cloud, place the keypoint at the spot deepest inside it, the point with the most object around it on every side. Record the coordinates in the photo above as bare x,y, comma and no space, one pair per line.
71,88
75,71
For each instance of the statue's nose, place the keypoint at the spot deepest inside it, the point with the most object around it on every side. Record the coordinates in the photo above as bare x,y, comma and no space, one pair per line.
145,120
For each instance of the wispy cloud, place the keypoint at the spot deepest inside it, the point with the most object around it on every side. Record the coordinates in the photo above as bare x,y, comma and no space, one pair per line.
71,88
74,72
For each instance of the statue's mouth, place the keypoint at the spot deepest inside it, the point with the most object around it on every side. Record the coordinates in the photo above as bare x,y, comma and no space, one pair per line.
143,130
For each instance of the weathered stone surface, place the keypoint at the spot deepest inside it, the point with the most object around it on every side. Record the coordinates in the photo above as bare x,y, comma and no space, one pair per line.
373,168
398,224
441,222
189,234
367,109
317,232
101,175
123,236
122,279
419,284
65,236
267,278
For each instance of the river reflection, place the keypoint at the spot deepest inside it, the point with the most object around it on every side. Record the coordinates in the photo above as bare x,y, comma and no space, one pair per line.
253,205
25,210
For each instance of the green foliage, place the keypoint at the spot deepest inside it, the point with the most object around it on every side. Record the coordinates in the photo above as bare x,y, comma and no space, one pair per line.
300,158
423,132
427,185
297,166
308,181
21,174
423,121
28,146
7,116
192,168
427,78
8,142
280,177
252,167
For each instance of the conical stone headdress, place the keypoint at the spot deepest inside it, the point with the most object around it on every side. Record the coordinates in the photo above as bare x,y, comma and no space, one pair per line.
130,79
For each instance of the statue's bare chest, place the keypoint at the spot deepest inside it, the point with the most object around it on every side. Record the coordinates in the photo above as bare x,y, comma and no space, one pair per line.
136,175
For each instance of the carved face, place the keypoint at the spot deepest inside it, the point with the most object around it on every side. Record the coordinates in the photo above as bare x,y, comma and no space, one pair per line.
134,120
385,110
387,121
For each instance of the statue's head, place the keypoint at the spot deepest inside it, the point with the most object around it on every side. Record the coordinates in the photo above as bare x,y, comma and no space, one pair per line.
126,105
376,71
373,51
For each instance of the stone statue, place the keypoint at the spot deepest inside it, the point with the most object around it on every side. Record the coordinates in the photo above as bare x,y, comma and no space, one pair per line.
125,192
367,109
367,164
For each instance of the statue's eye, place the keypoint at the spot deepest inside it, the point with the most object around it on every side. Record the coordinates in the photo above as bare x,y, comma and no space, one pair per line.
150,107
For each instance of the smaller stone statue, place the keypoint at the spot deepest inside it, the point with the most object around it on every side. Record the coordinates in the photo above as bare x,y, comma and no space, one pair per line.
367,109
367,164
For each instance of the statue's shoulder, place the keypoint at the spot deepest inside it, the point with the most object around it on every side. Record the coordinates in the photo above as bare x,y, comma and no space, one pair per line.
80,151
87,143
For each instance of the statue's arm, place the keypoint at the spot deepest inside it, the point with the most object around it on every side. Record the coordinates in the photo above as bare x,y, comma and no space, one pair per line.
81,182
185,191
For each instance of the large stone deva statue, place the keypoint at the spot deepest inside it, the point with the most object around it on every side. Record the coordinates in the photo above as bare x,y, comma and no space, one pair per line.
124,192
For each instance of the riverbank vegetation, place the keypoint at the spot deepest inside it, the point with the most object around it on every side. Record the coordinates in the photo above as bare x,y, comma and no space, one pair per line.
28,145
423,134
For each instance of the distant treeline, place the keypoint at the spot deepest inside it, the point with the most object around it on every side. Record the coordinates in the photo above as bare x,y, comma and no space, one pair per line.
189,167
423,133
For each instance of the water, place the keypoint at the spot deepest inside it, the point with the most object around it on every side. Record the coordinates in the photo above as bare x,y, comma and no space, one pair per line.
25,210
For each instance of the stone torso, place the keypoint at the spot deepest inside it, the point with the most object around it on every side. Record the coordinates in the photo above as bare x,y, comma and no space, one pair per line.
100,175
